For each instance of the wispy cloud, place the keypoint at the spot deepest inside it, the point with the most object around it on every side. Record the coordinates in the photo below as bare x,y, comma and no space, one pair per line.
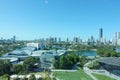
46,2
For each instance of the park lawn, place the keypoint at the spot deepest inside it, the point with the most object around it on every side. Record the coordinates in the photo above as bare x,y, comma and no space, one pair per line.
102,77
78,75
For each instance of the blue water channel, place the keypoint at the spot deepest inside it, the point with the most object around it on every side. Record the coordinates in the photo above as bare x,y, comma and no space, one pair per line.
86,53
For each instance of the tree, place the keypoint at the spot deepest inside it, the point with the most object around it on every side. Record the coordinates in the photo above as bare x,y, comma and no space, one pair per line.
32,77
63,62
47,76
54,76
17,68
40,78
7,67
94,65
1,67
29,63
66,61
82,60
16,78
6,76
56,63
23,79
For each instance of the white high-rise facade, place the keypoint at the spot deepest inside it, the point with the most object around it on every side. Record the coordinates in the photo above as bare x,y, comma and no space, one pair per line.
117,38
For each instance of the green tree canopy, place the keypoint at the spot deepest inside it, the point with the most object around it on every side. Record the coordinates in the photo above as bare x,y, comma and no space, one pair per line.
32,77
17,68
29,63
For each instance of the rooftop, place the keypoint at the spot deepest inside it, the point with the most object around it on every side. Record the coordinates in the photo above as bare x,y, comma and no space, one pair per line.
110,61
12,59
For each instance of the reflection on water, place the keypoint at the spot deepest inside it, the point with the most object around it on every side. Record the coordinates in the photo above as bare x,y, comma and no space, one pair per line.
117,49
87,53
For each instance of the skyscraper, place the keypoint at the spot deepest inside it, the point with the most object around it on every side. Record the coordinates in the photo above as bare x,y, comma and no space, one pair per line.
14,38
117,35
59,39
101,33
117,38
67,40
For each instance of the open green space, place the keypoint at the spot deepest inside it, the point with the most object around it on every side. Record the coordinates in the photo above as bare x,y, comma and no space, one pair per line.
78,75
102,77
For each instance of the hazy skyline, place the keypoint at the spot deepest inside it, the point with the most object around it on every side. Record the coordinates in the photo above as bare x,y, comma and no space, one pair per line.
34,19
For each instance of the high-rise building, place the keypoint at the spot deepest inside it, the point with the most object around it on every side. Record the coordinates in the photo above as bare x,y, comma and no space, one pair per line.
101,33
14,38
59,39
67,40
92,38
55,39
117,35
75,39
117,38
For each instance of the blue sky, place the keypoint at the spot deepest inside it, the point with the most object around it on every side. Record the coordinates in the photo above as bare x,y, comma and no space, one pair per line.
34,19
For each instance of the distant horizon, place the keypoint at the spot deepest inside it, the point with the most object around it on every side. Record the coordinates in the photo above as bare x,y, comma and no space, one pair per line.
29,20
65,38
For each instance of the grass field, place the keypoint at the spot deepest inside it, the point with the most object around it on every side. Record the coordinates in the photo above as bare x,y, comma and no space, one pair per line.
78,75
102,77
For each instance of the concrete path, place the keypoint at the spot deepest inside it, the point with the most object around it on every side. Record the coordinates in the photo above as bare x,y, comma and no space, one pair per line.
63,70
103,72
86,70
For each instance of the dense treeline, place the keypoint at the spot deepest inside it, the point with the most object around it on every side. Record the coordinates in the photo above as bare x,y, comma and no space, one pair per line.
107,51
68,61
28,66
5,67
5,48
94,65
102,50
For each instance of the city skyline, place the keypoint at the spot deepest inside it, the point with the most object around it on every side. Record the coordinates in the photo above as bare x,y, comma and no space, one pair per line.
28,19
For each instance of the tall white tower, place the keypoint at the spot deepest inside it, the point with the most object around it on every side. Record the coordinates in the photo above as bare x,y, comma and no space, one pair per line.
117,38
